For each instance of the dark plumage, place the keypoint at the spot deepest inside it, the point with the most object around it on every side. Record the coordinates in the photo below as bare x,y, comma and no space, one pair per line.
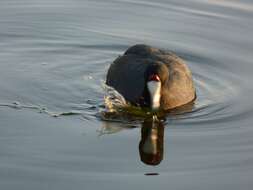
129,73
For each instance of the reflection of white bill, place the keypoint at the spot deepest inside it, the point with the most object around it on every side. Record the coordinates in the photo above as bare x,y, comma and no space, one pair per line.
150,144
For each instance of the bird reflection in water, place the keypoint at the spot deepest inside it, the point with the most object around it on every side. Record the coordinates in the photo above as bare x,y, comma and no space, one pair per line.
151,146
152,138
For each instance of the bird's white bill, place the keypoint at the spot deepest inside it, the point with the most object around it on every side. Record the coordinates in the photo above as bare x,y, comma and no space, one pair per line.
154,88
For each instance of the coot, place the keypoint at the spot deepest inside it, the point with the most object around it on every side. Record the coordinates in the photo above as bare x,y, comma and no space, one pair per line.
150,77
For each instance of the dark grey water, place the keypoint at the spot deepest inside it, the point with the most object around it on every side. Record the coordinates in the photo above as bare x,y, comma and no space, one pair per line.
53,60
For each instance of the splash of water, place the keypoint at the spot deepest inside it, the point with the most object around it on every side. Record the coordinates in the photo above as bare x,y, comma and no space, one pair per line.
118,109
113,99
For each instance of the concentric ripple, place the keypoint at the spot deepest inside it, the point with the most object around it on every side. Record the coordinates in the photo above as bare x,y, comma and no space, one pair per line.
218,93
218,89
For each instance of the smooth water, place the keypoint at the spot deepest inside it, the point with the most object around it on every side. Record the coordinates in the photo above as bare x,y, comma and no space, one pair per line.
53,62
